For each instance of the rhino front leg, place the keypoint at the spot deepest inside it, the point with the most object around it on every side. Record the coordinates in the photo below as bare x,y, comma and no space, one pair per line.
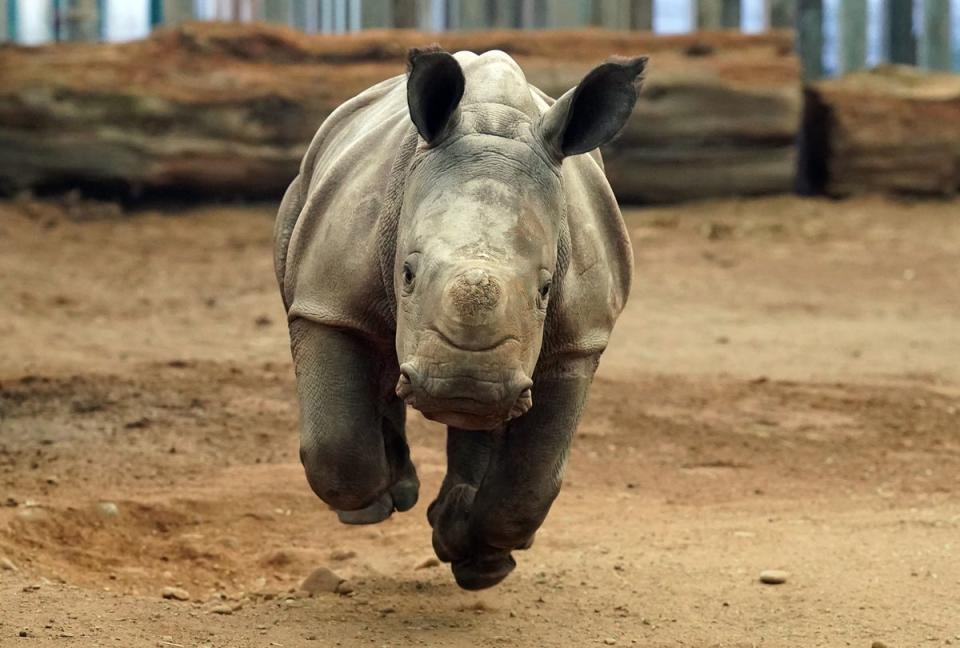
477,523
352,442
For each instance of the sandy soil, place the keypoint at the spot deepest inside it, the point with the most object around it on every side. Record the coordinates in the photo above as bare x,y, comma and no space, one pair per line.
783,392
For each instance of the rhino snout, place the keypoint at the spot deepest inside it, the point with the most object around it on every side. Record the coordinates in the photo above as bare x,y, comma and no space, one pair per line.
468,401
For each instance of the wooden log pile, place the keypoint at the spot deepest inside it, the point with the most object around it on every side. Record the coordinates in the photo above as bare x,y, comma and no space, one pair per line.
227,110
894,129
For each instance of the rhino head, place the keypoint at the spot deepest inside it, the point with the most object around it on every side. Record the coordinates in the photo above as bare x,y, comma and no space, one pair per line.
476,265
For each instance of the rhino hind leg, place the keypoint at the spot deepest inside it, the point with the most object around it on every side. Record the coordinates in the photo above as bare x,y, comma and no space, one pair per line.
352,443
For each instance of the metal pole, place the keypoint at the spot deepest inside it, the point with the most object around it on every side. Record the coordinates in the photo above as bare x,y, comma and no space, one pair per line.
641,15
810,38
376,14
156,13
935,43
900,41
853,35
718,14
782,13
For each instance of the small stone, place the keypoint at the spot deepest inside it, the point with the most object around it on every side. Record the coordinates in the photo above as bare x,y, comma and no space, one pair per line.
344,588
53,480
773,576
427,563
320,580
7,564
610,641
878,644
342,554
109,509
24,633
223,608
175,593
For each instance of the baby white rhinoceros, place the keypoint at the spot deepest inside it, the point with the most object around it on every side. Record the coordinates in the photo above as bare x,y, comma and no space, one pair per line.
451,243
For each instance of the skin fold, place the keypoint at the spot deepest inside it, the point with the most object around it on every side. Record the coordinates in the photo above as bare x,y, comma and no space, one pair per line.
451,244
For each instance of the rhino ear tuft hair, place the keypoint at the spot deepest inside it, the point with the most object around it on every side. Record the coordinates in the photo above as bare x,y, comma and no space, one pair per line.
435,85
594,112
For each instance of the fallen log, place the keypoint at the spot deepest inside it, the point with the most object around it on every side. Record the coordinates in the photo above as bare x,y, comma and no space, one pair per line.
895,129
228,109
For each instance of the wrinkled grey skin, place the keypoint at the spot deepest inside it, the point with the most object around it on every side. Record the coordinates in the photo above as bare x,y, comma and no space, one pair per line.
451,243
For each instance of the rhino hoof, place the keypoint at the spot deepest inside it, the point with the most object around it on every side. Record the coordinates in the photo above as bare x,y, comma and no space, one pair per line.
404,494
376,512
481,574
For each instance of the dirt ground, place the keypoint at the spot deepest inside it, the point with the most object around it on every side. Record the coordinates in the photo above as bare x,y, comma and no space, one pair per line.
782,392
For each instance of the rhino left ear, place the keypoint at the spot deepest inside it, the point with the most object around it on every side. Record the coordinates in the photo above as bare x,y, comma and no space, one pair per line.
435,85
594,112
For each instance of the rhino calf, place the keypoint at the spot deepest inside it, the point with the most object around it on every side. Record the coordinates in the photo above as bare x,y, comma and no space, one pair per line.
451,243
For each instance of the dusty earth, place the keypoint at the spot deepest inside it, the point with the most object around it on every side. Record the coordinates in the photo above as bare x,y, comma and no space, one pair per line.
783,392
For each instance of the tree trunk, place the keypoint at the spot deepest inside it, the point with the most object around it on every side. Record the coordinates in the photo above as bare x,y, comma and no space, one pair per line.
228,109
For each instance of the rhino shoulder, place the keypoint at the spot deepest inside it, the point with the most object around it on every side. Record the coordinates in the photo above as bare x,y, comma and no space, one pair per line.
598,263
331,270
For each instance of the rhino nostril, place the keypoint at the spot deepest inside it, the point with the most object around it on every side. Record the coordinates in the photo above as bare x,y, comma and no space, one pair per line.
405,383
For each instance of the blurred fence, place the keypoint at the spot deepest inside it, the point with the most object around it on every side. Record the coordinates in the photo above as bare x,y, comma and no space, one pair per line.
835,36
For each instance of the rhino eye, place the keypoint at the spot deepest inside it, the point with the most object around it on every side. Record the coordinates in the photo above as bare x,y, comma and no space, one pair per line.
545,290
408,275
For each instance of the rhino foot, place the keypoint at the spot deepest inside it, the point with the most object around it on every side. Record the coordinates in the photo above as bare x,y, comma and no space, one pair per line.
477,574
402,496
376,512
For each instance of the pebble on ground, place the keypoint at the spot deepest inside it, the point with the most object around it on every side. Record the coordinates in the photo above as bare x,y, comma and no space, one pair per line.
175,593
773,576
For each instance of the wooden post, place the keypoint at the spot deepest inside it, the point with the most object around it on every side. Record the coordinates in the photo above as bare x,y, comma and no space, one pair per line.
853,35
935,51
899,39
718,14
641,15
810,38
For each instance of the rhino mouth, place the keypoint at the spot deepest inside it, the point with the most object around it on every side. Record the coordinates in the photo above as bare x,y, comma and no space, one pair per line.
466,401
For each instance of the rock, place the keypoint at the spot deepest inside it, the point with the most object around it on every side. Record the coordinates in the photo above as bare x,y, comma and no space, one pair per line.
175,593
7,564
32,513
344,588
878,644
320,580
610,641
222,608
773,576
108,509
52,480
342,554
427,563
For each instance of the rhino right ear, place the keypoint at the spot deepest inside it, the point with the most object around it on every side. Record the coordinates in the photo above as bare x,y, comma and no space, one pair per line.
594,112
435,86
